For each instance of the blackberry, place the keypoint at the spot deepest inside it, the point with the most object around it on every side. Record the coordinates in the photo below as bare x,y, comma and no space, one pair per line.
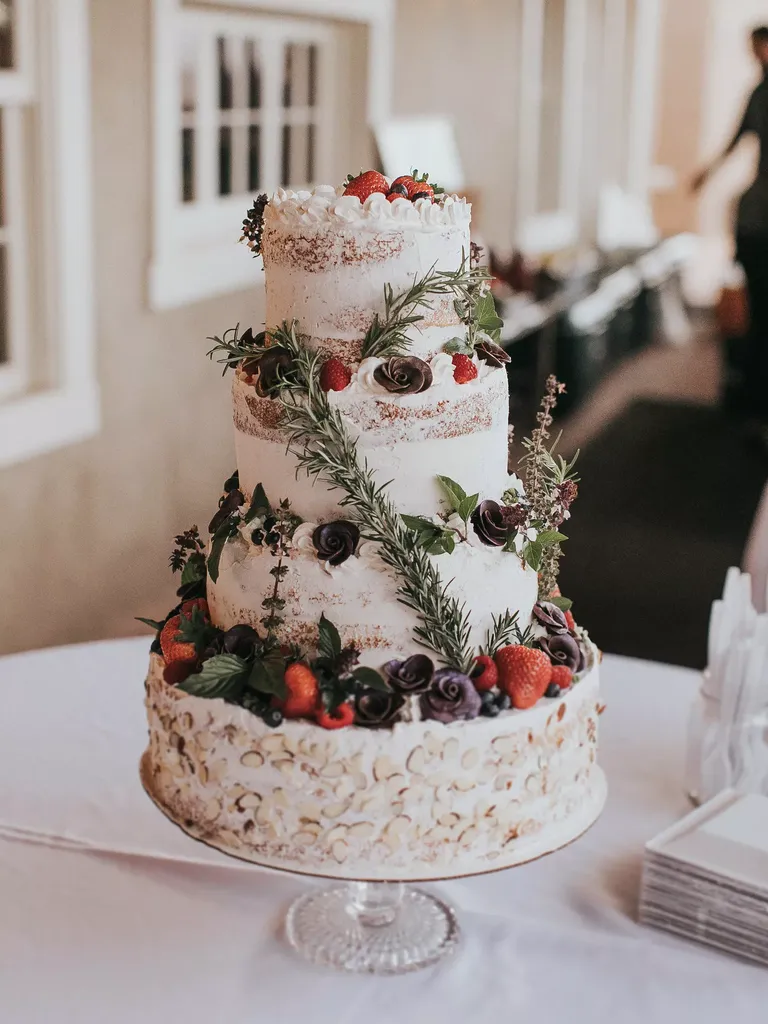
273,717
553,690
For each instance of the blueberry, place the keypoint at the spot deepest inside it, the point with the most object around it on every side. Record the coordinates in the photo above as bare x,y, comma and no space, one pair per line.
503,702
553,690
487,698
489,710
273,717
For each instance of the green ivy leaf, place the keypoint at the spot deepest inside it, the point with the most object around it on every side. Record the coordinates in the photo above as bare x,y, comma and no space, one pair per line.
549,537
330,641
194,570
467,506
223,675
268,676
458,345
563,603
454,492
419,523
225,532
370,677
259,506
449,542
532,553
487,319
152,623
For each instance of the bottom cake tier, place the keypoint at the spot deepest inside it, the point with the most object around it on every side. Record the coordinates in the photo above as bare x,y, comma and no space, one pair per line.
419,801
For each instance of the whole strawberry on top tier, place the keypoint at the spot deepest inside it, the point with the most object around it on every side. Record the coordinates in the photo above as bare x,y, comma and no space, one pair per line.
366,184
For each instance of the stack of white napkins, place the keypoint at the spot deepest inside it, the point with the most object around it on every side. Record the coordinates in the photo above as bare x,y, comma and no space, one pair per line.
706,878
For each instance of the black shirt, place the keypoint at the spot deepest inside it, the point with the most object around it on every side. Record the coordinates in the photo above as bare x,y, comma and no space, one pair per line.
753,207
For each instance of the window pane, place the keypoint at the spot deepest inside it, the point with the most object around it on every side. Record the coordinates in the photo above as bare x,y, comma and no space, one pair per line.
310,177
4,353
225,75
298,82
298,155
285,162
551,105
288,76
187,164
254,74
254,157
225,160
2,173
312,85
188,74
6,34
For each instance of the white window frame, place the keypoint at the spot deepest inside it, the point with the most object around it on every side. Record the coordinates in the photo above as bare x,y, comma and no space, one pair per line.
66,408
195,255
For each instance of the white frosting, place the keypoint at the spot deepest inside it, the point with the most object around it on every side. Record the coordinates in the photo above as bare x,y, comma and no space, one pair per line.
422,800
360,596
327,206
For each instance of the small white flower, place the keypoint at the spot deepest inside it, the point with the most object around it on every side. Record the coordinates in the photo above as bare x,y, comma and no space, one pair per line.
302,538
531,533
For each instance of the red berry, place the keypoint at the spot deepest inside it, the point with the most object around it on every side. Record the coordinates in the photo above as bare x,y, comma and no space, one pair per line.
415,188
334,375
303,692
485,675
570,620
176,672
341,716
561,676
366,184
464,370
195,602
524,674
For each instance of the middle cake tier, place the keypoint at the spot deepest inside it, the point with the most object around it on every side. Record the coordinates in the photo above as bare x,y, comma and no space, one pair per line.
454,430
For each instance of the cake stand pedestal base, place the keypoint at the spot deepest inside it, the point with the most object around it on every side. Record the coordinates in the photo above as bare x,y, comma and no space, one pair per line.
372,927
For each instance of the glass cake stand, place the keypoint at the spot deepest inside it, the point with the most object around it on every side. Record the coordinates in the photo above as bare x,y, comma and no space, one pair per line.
372,927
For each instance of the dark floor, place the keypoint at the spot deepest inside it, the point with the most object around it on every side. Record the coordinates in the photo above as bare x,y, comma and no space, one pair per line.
667,496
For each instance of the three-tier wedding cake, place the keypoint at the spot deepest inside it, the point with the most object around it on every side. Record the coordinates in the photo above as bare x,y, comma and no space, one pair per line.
371,672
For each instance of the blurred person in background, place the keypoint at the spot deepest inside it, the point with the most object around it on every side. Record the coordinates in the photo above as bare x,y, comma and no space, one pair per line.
752,239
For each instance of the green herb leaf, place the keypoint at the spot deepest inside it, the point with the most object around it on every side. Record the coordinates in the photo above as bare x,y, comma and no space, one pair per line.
225,532
259,506
268,676
419,523
194,629
532,553
467,506
329,643
458,345
194,570
223,675
487,319
453,491
370,677
563,603
548,537
152,623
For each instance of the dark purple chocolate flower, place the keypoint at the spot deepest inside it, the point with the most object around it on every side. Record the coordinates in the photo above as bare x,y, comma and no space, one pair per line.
268,369
375,707
549,615
404,375
414,675
564,649
229,504
490,523
336,542
451,697
241,640
492,353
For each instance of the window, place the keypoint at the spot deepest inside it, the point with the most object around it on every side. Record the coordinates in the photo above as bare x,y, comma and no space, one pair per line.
48,392
247,102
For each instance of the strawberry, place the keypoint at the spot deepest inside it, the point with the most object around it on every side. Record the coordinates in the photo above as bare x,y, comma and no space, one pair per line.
366,184
524,674
195,602
173,649
343,715
334,375
570,620
415,188
177,671
303,692
561,676
485,675
464,370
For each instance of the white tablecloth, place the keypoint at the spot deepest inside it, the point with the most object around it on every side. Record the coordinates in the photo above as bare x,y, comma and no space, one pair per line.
162,928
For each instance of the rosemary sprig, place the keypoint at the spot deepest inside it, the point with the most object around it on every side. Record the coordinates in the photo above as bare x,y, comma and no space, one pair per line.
503,632
320,442
237,347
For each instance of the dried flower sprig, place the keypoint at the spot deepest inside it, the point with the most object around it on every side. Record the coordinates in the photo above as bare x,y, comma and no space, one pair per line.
187,544
253,225
283,528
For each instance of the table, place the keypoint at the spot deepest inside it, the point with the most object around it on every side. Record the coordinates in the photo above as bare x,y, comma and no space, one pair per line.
165,929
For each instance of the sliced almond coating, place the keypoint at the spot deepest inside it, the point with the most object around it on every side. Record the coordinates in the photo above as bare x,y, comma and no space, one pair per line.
344,788
310,810
252,759
470,758
334,810
186,721
284,765
340,850
504,745
383,768
290,743
394,784
248,802
164,778
440,778
450,748
360,780
235,791
464,785
229,837
333,770
469,835
337,832
177,771
218,771
533,784
313,827
449,820
393,841
212,809
273,744
205,739
362,830
416,760
280,798
504,782
202,773
304,838
433,744
265,813
355,763
373,803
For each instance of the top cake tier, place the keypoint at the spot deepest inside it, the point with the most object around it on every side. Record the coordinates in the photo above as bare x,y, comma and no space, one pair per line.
329,257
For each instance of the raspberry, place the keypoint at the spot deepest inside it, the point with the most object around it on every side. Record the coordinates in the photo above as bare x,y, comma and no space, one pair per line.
484,675
464,370
570,620
341,716
561,676
334,375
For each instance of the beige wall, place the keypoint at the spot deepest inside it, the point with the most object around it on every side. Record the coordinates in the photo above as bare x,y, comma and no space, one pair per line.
86,530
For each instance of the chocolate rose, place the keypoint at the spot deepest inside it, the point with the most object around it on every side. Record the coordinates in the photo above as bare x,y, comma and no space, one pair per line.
335,542
268,369
564,649
492,353
374,707
413,675
452,696
241,640
404,375
549,615
490,523
230,503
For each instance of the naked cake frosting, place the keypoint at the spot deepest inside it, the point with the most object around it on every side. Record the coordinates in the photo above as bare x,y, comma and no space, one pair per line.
370,672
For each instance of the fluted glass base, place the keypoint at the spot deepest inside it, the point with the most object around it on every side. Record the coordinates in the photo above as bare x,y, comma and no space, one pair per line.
372,927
